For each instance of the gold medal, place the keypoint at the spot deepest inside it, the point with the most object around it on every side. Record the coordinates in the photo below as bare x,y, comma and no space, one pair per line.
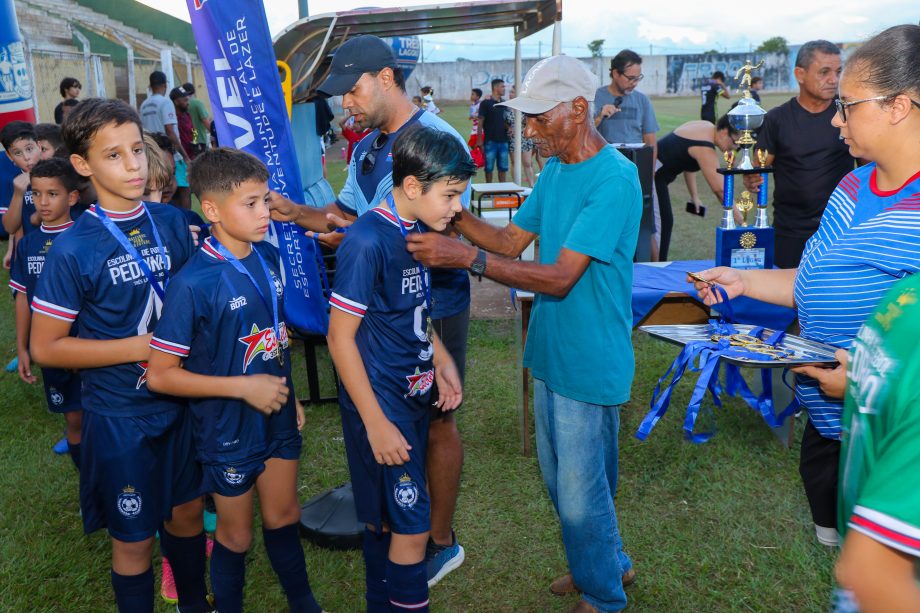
429,330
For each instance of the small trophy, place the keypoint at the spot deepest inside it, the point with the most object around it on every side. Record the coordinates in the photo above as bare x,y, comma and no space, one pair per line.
745,247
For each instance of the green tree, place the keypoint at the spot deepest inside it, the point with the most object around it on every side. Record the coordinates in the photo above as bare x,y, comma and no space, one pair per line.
777,44
596,47
712,52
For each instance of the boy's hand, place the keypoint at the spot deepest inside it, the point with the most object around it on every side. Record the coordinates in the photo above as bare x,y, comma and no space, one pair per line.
265,393
8,256
141,350
450,389
25,368
388,444
301,417
21,182
195,230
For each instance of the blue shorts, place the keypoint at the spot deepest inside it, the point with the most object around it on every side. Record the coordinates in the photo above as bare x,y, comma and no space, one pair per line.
62,390
134,470
181,172
235,478
496,152
393,495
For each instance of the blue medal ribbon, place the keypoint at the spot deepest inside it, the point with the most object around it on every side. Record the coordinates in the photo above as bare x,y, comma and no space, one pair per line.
705,357
426,286
115,231
238,266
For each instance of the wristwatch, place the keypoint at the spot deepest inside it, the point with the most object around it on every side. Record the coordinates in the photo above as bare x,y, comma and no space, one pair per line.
478,267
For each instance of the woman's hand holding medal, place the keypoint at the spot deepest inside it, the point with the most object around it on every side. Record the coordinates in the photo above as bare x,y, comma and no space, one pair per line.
729,279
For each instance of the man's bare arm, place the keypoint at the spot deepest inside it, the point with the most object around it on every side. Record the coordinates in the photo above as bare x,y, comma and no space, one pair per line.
509,241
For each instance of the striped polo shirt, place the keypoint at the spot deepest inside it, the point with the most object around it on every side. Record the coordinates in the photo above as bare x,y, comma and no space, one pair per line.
867,240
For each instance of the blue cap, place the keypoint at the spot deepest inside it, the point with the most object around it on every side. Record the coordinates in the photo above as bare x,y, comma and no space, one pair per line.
359,55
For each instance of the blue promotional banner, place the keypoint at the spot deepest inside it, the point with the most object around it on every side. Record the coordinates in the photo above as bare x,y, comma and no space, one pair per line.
250,112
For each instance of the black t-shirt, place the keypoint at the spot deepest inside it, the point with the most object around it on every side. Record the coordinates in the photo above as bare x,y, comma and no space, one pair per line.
810,159
708,94
493,121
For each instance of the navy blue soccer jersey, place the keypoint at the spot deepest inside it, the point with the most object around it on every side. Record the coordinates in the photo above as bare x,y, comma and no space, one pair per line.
378,280
30,258
28,209
216,320
90,278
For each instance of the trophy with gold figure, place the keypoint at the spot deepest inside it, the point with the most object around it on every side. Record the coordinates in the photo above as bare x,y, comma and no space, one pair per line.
744,246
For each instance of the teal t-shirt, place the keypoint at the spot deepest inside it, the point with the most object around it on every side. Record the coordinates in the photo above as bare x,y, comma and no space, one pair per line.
580,345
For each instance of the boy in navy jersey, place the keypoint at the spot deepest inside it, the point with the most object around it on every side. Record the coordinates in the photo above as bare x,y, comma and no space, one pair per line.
54,187
108,273
19,141
379,331
222,342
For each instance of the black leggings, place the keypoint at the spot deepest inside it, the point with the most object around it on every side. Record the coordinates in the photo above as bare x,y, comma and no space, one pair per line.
667,217
818,467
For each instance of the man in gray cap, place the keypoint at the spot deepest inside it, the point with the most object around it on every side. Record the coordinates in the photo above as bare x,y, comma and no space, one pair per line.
586,210
365,73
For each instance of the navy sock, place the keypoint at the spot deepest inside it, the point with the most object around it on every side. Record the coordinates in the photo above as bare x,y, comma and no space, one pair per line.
228,575
376,548
74,451
187,558
134,593
285,552
407,587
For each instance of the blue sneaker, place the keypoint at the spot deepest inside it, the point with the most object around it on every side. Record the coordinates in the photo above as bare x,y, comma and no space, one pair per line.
13,365
60,448
441,559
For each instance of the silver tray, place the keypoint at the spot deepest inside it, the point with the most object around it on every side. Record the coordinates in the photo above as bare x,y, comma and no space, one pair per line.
805,351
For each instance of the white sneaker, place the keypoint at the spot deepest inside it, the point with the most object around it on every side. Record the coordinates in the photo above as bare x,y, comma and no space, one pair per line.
827,536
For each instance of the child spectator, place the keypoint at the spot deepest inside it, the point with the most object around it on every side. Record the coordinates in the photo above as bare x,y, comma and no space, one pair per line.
18,139
54,185
222,342
48,137
108,273
161,145
377,333
70,91
428,100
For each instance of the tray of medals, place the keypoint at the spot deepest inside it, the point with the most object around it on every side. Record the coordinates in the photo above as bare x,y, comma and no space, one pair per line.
791,351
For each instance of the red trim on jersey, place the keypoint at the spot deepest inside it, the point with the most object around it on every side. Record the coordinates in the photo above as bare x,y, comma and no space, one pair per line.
884,194
903,539
344,306
167,347
17,287
210,250
57,228
49,310
389,216
120,215
850,184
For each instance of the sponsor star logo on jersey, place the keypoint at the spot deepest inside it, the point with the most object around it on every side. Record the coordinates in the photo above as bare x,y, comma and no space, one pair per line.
262,342
420,382
143,378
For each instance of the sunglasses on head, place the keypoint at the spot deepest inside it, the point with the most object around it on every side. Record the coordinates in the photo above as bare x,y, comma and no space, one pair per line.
370,159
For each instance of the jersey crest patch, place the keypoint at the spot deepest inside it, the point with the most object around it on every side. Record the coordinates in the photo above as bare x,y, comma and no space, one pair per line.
420,382
406,492
57,398
262,342
233,477
129,502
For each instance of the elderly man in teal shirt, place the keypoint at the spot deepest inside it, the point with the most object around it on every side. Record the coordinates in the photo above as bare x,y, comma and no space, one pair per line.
585,208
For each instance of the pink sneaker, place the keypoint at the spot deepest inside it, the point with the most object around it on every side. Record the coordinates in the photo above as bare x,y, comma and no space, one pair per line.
168,584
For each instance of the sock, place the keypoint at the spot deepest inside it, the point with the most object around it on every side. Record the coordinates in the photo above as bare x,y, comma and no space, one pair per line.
285,552
74,451
376,548
228,575
187,558
134,593
407,587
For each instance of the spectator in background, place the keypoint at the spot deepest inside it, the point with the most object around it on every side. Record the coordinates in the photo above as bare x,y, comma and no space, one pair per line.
352,134
808,157
622,114
158,116
527,148
712,89
160,145
66,107
179,98
493,134
48,136
417,101
201,121
70,90
428,100
756,86
475,97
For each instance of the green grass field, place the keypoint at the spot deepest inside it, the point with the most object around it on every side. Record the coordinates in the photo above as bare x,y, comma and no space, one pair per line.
717,527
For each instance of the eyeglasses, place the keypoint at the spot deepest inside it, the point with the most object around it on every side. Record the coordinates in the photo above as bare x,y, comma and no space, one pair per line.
370,159
632,79
842,105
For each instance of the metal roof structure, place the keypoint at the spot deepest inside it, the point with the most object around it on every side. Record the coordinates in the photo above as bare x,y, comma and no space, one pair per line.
307,45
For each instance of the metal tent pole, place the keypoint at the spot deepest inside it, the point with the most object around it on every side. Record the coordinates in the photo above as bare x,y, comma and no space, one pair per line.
517,114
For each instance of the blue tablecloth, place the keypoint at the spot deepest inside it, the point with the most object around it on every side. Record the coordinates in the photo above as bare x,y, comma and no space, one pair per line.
651,283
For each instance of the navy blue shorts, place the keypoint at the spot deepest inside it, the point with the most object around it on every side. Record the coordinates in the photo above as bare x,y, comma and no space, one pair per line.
62,390
235,478
134,470
393,495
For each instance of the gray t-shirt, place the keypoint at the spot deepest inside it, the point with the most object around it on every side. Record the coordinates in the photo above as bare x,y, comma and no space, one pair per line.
636,117
157,112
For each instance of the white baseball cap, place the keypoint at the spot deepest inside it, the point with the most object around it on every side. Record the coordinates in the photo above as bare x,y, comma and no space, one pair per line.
553,80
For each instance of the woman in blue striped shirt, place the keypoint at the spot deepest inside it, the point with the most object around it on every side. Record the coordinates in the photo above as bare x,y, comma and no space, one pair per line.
869,238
